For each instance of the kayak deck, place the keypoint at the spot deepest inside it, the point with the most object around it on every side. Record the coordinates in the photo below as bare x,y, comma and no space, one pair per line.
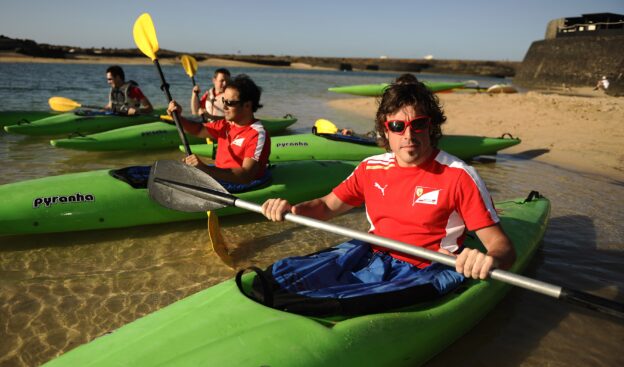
154,135
340,147
221,327
97,200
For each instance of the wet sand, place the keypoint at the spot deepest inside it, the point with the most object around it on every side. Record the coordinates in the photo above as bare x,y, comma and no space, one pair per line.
576,129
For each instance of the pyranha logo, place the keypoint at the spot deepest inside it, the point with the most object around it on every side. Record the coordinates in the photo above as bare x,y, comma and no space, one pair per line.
238,142
62,199
425,195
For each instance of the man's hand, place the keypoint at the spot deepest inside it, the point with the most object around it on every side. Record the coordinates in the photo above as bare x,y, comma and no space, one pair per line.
274,209
173,107
473,263
194,161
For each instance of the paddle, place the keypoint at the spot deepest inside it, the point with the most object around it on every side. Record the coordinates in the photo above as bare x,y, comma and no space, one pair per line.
181,187
145,38
63,104
190,67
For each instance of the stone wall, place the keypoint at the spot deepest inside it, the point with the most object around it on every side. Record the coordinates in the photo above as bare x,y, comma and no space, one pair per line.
574,62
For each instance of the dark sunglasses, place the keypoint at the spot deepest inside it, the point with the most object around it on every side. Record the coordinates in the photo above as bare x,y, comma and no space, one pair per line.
418,125
229,103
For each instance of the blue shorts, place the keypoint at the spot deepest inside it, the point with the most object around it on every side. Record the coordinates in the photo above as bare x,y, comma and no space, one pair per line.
353,269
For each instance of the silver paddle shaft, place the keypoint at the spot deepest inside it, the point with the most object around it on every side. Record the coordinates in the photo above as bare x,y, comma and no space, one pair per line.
498,274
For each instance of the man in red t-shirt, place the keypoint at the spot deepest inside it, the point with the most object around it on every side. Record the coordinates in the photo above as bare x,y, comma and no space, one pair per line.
210,106
243,143
416,193
125,97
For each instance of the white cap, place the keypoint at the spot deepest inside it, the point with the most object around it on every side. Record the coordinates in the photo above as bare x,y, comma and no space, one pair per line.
604,77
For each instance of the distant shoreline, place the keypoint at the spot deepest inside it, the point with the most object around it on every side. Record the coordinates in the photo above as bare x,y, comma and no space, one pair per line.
498,69
12,57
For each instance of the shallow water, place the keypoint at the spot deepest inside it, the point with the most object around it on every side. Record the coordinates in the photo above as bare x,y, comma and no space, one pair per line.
58,291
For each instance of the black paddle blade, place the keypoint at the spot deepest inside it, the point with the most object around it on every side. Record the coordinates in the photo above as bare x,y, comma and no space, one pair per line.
180,187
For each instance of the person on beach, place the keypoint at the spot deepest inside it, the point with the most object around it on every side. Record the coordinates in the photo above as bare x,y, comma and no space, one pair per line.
603,84
125,97
243,143
414,193
210,105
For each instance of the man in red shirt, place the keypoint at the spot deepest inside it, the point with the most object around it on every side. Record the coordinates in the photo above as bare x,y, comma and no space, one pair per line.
243,143
210,106
125,97
415,193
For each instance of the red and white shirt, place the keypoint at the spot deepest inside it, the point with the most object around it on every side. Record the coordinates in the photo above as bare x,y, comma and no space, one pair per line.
235,143
213,103
430,205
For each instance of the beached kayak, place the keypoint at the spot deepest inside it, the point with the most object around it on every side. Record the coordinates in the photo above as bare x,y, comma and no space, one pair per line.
23,117
155,135
346,147
106,199
502,88
375,90
221,327
80,122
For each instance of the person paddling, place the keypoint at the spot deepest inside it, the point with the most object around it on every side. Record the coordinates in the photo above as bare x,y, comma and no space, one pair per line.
125,97
414,193
210,106
243,143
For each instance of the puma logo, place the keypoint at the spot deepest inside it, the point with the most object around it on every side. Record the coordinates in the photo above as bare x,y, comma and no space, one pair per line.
382,189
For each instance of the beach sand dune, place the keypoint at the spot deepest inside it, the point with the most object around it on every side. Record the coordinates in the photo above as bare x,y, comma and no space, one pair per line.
582,132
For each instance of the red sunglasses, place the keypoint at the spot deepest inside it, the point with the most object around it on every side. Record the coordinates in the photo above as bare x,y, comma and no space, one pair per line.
418,125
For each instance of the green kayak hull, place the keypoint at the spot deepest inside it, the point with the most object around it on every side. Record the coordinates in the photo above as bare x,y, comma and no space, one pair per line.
97,200
319,147
221,327
23,117
155,135
376,90
76,123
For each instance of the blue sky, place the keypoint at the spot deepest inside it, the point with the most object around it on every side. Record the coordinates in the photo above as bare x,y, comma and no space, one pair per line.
446,29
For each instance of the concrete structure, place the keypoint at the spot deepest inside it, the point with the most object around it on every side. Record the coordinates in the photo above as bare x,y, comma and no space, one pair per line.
577,52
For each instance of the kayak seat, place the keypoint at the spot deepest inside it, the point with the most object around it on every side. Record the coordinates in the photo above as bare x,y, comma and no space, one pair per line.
234,188
93,113
350,139
347,280
135,176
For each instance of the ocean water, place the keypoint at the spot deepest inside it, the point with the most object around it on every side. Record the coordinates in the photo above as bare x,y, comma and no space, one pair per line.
58,291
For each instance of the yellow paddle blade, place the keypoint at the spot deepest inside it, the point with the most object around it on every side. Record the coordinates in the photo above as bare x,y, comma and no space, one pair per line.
189,64
145,36
218,244
323,126
62,104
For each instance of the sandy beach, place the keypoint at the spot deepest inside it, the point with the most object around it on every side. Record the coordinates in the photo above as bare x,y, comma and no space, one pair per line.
577,129
81,59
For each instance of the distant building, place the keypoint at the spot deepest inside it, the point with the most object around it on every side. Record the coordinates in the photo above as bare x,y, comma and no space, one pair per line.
597,24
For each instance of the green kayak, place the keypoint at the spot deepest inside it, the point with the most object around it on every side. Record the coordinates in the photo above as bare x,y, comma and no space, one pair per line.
221,327
81,122
106,198
23,117
354,148
155,135
376,90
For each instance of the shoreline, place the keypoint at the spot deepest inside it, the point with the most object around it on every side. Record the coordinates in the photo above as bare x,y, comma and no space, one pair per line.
11,57
581,132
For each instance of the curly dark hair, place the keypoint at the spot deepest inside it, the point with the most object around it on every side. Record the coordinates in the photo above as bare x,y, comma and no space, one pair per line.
247,89
403,93
116,70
